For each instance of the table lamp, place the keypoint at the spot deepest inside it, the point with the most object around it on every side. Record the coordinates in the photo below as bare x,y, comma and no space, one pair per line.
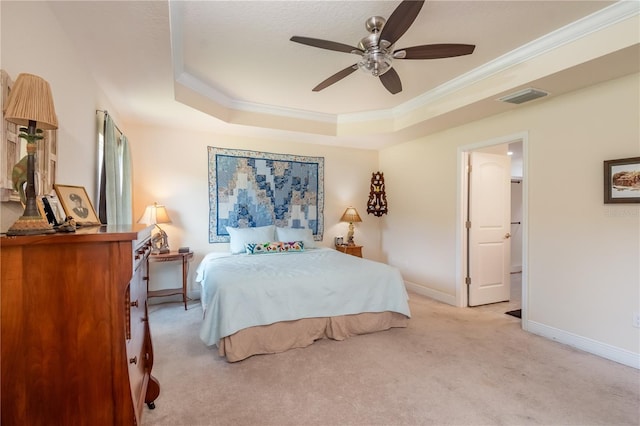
350,215
30,104
153,215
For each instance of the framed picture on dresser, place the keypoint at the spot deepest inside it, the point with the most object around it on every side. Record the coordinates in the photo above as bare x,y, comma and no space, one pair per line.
76,203
50,208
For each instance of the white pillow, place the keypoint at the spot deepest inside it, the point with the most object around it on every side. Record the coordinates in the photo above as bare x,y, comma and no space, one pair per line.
238,237
296,234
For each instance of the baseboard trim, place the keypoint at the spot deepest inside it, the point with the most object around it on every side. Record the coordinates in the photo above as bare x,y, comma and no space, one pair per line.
429,292
594,347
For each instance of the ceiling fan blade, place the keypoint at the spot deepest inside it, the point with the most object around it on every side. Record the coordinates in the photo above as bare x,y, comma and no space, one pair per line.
435,51
326,44
336,77
400,20
391,80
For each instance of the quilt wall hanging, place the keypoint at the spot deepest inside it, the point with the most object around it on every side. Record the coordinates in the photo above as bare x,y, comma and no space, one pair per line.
250,188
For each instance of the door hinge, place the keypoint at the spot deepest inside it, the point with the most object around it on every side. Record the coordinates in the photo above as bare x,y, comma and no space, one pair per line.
467,224
467,280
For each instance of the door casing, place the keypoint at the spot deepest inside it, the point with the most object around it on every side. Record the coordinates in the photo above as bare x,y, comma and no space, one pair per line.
461,212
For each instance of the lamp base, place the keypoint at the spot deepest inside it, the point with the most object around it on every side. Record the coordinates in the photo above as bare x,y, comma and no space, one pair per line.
30,225
350,235
160,242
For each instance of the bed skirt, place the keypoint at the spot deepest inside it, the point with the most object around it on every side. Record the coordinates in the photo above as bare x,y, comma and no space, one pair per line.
282,336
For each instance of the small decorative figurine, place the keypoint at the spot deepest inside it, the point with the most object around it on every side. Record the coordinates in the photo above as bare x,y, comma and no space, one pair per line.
69,225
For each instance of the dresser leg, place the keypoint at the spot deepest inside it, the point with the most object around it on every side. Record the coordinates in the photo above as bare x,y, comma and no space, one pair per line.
153,390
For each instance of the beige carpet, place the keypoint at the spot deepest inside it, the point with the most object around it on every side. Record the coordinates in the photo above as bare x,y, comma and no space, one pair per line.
451,366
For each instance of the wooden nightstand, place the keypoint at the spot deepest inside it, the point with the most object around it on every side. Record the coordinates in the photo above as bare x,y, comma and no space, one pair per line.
352,250
169,257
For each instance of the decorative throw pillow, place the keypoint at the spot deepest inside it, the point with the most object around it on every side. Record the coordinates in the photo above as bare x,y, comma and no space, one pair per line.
239,237
274,247
292,246
296,234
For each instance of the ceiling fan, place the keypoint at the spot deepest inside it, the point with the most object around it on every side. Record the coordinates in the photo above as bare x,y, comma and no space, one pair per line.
377,49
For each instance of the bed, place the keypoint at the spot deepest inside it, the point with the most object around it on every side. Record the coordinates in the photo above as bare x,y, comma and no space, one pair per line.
275,301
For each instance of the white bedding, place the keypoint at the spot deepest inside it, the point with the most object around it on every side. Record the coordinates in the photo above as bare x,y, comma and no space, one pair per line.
241,291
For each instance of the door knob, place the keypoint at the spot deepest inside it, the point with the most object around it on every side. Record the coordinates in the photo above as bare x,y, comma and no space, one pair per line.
507,235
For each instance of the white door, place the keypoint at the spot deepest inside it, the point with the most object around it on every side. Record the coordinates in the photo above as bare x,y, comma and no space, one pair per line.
490,224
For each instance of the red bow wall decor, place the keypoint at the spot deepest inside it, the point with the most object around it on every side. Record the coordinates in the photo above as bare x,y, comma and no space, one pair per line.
377,204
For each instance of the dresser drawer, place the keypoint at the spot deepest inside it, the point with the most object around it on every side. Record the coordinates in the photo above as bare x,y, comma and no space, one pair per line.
137,359
138,356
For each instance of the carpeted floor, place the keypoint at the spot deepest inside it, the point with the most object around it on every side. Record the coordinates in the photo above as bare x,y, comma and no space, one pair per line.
451,366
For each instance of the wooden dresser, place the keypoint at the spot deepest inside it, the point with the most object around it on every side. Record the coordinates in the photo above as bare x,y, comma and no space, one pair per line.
76,346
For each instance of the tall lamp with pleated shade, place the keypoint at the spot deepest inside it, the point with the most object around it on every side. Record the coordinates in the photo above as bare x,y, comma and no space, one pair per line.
350,215
30,104
153,215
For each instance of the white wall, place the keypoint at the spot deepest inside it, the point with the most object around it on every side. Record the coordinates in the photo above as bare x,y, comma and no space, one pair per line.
46,52
171,167
582,255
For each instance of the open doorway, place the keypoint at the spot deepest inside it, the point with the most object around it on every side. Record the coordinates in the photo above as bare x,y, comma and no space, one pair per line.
515,147
514,306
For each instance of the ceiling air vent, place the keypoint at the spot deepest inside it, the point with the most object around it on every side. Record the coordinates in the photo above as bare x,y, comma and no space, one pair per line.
523,96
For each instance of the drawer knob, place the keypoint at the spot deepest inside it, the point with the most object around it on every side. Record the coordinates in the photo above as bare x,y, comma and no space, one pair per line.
133,360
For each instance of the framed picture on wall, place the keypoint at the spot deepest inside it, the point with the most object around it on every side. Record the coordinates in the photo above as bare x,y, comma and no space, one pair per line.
76,203
622,181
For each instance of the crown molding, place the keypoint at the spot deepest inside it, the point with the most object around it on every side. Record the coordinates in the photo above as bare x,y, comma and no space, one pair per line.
597,21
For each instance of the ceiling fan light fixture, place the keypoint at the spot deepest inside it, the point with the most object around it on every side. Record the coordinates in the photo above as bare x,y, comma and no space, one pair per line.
375,62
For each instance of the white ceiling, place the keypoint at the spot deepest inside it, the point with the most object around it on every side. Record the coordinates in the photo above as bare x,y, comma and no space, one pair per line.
234,61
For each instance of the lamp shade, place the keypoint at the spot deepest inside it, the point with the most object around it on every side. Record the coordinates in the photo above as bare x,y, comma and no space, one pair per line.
350,215
31,100
154,214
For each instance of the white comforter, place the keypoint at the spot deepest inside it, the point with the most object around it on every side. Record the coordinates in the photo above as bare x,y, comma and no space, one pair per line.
240,291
